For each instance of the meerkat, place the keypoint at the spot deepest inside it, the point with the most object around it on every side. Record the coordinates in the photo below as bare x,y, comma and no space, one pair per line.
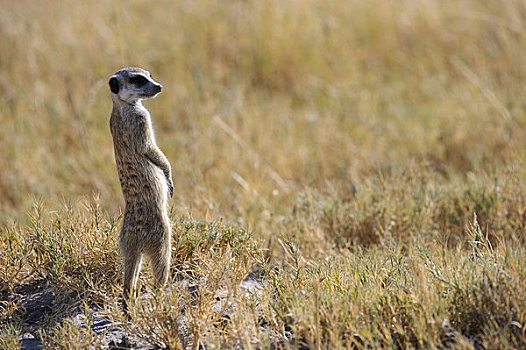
145,176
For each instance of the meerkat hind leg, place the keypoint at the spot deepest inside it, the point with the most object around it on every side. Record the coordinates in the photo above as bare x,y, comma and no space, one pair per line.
160,263
132,266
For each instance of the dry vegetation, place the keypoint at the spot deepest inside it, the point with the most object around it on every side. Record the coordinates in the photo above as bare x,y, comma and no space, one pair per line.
363,161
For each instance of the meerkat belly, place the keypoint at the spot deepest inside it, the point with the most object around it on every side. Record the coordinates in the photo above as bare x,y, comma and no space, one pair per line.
144,219
142,182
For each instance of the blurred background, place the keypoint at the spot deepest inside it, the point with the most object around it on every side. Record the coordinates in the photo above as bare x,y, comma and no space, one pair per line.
263,101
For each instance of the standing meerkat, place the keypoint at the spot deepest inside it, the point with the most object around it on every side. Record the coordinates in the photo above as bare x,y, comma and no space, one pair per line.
145,176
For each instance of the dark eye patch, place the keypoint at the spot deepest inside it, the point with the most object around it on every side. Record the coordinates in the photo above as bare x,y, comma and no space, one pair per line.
138,80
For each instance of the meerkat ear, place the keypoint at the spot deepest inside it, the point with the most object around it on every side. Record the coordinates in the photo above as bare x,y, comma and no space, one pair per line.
114,85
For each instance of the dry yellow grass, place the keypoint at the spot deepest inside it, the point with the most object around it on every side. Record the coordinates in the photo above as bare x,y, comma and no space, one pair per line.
355,139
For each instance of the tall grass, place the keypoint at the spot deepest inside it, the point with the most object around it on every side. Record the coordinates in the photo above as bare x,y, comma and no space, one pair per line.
319,91
365,158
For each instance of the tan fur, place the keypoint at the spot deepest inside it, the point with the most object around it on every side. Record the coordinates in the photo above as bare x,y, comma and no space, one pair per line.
145,176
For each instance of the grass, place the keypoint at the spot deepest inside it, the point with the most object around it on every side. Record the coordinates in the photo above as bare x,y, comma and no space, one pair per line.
363,161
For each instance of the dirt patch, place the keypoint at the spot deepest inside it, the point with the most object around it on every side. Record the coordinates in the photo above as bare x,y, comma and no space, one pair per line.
41,308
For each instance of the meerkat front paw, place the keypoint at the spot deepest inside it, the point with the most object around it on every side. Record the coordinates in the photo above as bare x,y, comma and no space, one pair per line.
170,187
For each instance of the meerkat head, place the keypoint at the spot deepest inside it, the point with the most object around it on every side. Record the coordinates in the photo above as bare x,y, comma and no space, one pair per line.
132,84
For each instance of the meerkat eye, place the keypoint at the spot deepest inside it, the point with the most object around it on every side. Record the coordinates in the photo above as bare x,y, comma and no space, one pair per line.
138,80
